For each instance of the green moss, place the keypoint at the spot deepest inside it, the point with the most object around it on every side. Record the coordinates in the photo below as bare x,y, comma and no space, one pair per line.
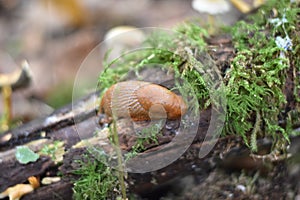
258,73
55,150
97,181
193,34
148,135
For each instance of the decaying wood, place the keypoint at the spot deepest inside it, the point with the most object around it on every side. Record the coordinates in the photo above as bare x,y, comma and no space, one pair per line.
61,190
60,125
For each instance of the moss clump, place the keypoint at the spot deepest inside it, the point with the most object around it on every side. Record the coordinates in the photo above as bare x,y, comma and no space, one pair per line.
146,136
256,80
97,181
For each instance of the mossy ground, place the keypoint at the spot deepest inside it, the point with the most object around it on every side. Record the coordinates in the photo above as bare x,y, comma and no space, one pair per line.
262,84
256,80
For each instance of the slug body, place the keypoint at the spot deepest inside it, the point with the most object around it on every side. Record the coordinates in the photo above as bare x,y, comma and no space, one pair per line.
141,101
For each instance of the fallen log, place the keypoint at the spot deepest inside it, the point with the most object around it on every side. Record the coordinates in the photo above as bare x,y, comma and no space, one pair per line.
67,123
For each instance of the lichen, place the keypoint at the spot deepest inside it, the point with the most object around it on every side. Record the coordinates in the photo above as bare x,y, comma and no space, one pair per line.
25,155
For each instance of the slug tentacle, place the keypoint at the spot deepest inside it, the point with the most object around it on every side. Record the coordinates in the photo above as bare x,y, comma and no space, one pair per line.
141,101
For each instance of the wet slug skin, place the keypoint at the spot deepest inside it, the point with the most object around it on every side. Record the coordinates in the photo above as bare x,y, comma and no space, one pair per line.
141,101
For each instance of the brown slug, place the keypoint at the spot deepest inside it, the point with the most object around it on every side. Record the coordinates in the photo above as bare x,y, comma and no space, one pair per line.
141,101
